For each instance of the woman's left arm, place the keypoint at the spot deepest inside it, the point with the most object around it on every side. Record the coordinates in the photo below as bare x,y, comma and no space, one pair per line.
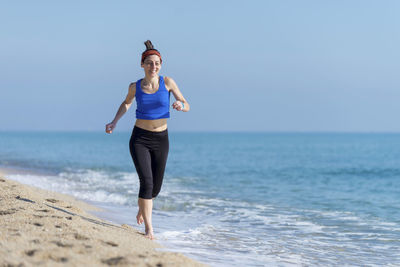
180,104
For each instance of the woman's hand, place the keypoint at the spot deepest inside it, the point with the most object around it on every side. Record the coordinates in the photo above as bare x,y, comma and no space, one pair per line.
178,105
110,127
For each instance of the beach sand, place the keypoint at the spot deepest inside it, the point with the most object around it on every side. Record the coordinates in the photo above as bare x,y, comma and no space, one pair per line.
44,228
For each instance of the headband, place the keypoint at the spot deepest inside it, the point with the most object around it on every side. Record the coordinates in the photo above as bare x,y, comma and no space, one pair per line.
150,52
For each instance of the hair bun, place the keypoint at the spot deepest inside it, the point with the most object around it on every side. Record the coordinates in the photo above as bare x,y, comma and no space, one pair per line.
149,45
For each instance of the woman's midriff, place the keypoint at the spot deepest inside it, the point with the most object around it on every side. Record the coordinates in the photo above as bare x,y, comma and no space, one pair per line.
152,125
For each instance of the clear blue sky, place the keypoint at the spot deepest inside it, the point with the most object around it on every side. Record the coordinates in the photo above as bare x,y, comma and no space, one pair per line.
242,65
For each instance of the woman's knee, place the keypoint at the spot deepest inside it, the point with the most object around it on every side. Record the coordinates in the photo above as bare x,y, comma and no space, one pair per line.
155,192
158,180
146,189
146,194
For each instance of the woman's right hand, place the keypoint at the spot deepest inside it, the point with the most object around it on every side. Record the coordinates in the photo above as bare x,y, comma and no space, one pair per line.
110,127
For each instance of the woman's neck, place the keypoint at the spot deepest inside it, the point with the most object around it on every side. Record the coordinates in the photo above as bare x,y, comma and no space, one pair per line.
151,80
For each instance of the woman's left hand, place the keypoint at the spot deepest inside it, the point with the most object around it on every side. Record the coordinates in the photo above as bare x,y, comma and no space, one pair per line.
177,105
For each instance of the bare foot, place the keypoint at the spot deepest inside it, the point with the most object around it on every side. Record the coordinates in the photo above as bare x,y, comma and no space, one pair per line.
149,234
139,218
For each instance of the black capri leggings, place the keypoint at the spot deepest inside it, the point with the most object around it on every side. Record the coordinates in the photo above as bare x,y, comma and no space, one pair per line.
149,151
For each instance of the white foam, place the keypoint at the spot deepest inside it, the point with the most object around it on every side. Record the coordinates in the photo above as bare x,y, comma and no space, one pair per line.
84,184
102,196
170,234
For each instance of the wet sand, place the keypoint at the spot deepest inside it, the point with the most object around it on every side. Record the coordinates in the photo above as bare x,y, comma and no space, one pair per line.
44,228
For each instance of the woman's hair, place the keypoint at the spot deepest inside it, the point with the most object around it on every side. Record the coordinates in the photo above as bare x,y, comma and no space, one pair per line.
149,45
150,50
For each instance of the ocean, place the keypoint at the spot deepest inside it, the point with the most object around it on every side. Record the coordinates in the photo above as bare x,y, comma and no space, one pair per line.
236,199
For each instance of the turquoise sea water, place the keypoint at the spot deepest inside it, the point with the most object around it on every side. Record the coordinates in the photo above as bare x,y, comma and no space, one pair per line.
237,199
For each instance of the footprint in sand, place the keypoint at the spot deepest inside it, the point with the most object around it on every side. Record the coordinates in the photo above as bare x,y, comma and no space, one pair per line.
59,259
60,244
115,261
31,252
80,237
109,243
44,210
7,212
52,200
60,225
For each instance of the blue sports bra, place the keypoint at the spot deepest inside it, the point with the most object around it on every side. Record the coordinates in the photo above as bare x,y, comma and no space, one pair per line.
152,106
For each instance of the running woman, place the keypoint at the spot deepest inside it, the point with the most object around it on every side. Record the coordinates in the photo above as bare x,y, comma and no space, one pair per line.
149,143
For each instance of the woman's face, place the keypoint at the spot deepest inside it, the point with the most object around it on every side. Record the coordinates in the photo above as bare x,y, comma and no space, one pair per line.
151,65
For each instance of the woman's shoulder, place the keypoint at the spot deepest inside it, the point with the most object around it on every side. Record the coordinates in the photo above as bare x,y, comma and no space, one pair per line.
132,86
168,79
169,82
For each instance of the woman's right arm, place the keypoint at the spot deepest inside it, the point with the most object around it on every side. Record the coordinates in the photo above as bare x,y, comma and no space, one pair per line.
122,108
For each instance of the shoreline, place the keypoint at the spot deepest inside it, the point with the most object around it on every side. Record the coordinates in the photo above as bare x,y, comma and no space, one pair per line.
41,227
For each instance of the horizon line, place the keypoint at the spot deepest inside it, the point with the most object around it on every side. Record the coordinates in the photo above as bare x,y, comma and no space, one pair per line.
214,131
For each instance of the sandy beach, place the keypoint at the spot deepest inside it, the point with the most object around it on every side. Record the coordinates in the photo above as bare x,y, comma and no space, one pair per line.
44,228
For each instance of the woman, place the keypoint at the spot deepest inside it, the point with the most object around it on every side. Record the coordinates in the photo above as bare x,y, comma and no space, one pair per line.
149,142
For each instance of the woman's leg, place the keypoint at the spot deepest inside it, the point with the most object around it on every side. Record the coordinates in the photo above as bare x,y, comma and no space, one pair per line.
146,208
139,216
145,201
142,160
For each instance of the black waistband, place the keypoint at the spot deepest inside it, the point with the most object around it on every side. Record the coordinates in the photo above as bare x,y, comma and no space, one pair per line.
147,132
